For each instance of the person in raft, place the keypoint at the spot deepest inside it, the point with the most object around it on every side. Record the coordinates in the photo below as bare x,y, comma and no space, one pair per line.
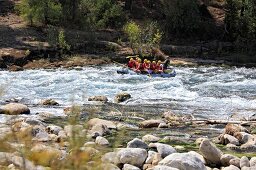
166,63
159,67
131,63
139,66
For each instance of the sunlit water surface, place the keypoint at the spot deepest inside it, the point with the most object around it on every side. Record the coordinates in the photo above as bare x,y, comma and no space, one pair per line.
206,91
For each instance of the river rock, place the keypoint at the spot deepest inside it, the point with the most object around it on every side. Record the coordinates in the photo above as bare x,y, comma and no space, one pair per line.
121,97
179,148
183,161
49,153
225,159
133,156
235,162
53,129
150,138
42,136
244,162
156,159
14,109
150,157
244,137
248,147
233,147
199,141
17,161
98,98
110,157
198,156
147,166
101,141
99,130
70,129
130,167
150,123
162,167
137,143
253,162
97,121
163,125
231,139
49,102
163,149
231,167
210,152
231,129
121,126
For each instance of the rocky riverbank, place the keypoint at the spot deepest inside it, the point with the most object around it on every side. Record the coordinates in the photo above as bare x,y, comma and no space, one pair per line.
83,138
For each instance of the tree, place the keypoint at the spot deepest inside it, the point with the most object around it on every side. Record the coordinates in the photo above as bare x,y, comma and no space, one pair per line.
40,11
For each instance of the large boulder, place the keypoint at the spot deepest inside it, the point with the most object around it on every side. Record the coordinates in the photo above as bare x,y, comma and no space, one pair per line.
14,109
235,162
210,152
150,157
183,161
99,130
133,156
197,155
253,162
137,143
98,98
121,97
244,137
110,157
163,149
101,141
150,123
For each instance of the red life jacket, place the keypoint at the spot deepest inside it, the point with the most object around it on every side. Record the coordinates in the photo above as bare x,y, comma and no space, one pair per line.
139,66
131,64
159,67
152,66
144,65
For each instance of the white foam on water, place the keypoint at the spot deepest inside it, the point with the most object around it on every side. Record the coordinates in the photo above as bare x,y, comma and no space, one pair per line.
209,90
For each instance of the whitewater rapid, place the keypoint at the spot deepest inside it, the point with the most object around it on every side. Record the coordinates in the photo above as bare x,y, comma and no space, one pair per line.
206,91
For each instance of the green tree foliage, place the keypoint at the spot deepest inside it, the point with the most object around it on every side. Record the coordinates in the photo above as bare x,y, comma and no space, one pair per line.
240,23
40,11
182,16
143,38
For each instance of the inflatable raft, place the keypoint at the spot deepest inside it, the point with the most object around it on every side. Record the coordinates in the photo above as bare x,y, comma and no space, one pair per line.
171,73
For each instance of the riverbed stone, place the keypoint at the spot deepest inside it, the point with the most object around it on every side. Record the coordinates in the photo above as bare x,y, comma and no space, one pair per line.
248,147
162,167
156,159
244,137
210,152
150,157
14,109
130,167
53,129
49,102
98,98
97,121
231,167
235,162
163,149
198,156
150,138
150,123
163,125
244,162
225,159
137,143
101,141
133,156
231,129
253,162
110,157
233,147
231,139
99,130
183,161
121,97
70,129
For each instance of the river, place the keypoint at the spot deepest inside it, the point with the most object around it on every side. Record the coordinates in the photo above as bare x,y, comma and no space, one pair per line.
202,91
